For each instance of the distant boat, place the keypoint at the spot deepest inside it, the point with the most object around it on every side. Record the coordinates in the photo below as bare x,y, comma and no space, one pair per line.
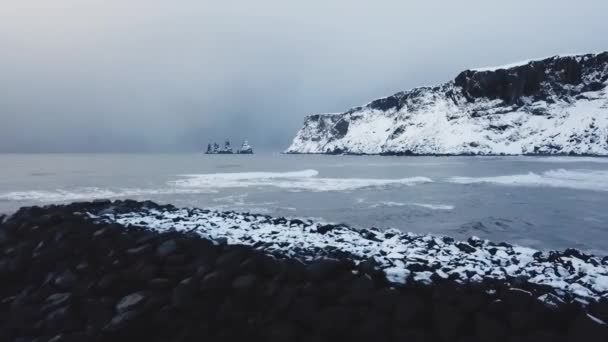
245,148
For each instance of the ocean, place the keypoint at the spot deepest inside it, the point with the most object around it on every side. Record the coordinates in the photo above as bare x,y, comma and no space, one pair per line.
540,202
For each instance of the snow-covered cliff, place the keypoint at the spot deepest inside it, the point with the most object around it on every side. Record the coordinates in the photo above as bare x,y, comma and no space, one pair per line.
557,105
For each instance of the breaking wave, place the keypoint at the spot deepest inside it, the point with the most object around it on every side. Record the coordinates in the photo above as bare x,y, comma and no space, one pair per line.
421,205
305,180
600,160
573,179
90,193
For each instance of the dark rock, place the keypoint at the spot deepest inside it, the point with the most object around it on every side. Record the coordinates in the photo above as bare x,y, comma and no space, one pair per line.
61,320
130,302
56,300
215,281
232,257
244,283
221,241
159,284
519,300
465,247
121,321
183,294
98,312
588,328
125,290
325,228
108,283
489,329
166,248
324,268
65,280
447,321
408,308
140,250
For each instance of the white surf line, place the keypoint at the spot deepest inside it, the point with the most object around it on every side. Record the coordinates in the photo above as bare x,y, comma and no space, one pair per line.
596,180
89,193
305,180
396,253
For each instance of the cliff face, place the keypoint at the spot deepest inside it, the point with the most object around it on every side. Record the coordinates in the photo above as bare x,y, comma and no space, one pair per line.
558,105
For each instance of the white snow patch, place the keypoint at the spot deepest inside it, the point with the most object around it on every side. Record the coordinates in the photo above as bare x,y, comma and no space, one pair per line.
525,62
392,250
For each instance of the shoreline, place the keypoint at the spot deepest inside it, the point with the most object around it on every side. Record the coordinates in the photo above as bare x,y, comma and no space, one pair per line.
405,154
101,271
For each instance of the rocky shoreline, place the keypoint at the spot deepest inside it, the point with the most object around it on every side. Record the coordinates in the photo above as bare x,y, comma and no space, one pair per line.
127,270
412,154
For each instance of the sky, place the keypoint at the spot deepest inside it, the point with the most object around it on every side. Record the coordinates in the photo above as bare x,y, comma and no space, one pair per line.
171,76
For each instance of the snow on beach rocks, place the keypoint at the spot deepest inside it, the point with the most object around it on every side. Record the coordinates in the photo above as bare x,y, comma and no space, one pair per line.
403,257
73,273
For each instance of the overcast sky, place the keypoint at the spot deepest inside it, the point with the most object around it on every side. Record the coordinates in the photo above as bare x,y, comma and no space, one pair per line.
148,75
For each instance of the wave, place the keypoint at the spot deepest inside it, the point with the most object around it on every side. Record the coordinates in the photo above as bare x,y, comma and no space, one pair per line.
422,205
573,179
434,206
601,160
90,193
305,180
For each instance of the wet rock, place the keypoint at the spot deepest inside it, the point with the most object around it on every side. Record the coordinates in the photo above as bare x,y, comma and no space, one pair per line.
183,294
166,248
588,328
61,320
198,290
65,280
489,329
121,321
56,300
98,312
108,283
144,249
447,321
465,247
244,283
130,302
323,269
215,281
159,284
325,228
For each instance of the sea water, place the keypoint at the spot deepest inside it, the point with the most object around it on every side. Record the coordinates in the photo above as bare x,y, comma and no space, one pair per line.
541,202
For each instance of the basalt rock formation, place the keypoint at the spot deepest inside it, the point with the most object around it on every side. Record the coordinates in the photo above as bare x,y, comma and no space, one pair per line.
66,277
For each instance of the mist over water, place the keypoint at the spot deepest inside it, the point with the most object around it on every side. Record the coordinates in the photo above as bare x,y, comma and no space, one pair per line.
541,202
156,76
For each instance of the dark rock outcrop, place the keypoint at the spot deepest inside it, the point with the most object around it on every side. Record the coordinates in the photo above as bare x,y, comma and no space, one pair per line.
198,290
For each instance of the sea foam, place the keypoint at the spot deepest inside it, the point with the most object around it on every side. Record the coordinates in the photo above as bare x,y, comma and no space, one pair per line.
573,179
305,180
